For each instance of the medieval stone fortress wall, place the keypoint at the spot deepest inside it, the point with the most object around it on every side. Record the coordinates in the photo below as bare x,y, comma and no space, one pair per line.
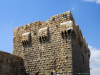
55,46
10,64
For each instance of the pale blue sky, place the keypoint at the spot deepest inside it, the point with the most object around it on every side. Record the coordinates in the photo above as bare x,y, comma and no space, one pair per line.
15,13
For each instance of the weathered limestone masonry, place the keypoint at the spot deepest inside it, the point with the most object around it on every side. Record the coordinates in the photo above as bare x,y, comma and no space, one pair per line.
11,64
56,45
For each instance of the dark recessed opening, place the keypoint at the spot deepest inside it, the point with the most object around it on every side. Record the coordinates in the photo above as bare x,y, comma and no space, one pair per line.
51,73
57,26
40,39
45,37
37,73
69,31
26,42
83,58
34,33
65,34
53,19
62,35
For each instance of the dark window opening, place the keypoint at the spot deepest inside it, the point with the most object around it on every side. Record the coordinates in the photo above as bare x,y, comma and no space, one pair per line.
83,58
65,34
43,38
69,31
34,33
25,43
40,39
53,19
37,73
51,73
66,42
62,34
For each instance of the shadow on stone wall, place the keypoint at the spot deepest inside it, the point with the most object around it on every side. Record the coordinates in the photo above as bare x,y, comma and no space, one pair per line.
11,64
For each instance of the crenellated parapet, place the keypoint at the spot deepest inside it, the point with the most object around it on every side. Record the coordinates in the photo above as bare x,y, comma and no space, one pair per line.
65,23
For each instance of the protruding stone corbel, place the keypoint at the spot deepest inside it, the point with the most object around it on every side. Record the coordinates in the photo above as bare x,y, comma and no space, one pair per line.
25,38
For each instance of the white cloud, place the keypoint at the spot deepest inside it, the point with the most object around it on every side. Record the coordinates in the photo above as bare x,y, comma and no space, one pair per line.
97,1
94,61
73,8
95,70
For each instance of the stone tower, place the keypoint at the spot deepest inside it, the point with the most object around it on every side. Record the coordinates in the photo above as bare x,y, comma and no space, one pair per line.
55,46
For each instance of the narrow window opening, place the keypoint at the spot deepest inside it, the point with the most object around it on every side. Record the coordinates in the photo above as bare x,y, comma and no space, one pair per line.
43,38
34,33
53,19
66,42
69,31
37,73
62,34
65,34
40,39
24,42
83,58
51,73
